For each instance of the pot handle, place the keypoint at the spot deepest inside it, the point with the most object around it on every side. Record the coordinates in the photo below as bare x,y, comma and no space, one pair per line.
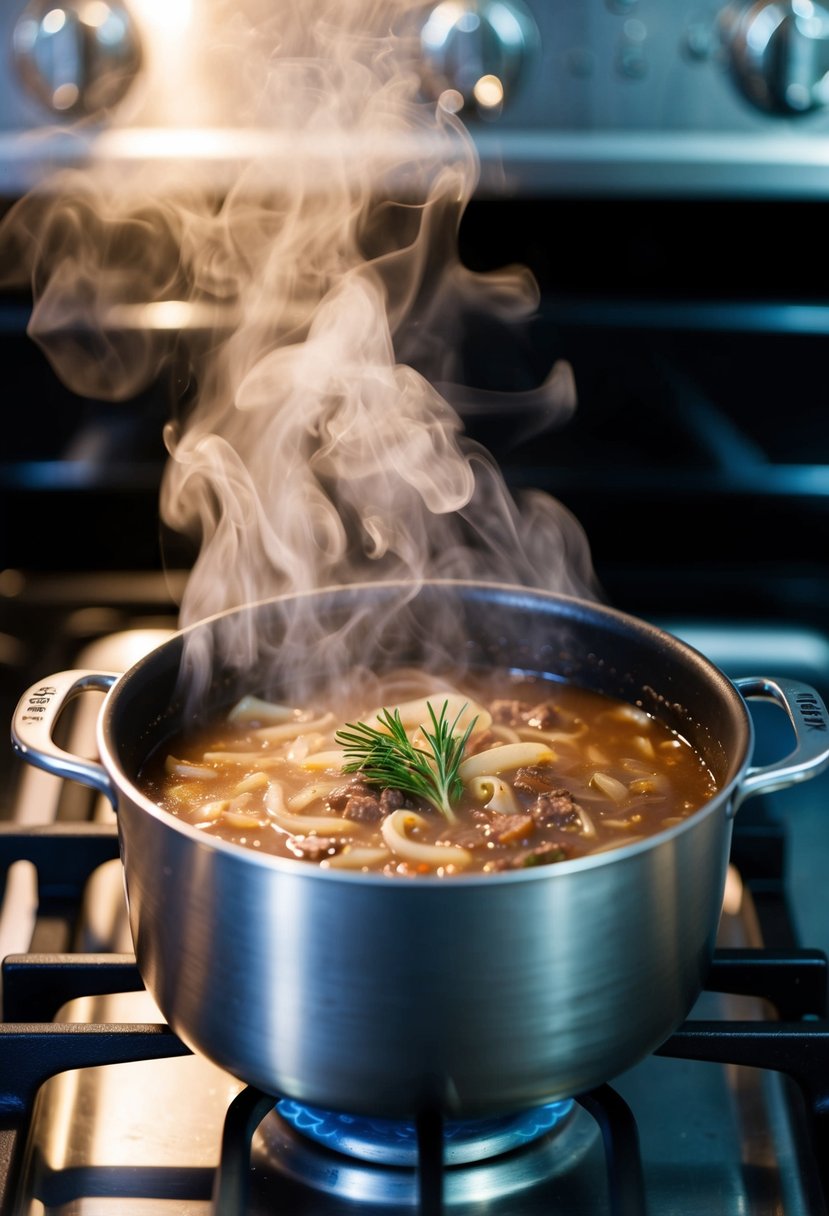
34,721
808,715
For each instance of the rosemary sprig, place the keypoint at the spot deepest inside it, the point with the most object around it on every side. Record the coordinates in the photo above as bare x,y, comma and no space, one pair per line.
388,758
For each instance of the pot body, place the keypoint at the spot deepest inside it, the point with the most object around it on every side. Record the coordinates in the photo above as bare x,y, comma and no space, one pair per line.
384,997
484,993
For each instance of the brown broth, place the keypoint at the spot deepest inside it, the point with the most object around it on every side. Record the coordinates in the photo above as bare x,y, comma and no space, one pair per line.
590,773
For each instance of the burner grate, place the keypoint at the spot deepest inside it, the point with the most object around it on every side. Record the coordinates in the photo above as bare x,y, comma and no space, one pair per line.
36,986
612,1114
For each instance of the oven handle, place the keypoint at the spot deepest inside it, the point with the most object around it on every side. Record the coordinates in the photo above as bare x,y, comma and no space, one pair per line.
810,720
34,721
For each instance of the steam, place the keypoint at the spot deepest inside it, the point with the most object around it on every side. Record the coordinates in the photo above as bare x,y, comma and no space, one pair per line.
319,450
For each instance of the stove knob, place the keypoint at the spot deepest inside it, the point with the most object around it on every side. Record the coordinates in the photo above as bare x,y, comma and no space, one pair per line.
77,57
779,53
475,51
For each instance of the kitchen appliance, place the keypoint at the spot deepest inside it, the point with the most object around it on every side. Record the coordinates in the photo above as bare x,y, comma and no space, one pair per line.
661,168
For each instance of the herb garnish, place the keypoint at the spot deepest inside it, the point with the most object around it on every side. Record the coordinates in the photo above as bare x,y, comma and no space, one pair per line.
388,758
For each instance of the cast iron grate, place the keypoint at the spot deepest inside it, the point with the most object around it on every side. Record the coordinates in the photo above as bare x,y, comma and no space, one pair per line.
33,1049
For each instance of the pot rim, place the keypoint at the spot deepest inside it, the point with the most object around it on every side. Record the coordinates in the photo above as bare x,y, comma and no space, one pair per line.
270,861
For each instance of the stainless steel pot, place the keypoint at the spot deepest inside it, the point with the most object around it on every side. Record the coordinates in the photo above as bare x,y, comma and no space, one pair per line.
487,993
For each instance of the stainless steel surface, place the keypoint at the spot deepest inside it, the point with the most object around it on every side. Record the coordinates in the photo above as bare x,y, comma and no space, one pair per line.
236,947
804,653
808,717
76,57
475,52
607,98
144,1140
779,53
35,719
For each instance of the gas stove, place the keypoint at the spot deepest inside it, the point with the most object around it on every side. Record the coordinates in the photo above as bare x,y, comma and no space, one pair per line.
105,1109
662,171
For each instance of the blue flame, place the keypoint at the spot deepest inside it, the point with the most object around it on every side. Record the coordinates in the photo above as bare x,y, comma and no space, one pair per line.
394,1142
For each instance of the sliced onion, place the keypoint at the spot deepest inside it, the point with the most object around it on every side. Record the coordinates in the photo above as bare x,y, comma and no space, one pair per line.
639,767
553,736
629,713
251,783
494,793
611,786
183,768
324,760
395,828
587,826
307,825
292,730
303,746
252,709
240,813
503,759
595,754
654,783
211,811
644,745
311,793
249,759
312,825
243,819
416,713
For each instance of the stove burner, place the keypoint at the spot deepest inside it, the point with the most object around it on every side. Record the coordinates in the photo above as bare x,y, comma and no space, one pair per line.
393,1142
490,1158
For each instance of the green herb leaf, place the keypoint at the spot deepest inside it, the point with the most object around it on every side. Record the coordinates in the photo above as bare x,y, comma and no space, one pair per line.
389,759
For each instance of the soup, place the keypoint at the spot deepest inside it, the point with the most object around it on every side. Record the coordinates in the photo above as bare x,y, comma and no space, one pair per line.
430,776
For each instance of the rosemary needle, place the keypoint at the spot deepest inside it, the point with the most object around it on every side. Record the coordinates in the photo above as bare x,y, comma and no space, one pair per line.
388,757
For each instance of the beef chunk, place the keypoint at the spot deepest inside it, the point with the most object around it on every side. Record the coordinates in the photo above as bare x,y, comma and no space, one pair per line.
469,837
554,809
541,855
509,829
513,713
363,808
507,713
339,797
364,803
313,848
535,779
392,800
